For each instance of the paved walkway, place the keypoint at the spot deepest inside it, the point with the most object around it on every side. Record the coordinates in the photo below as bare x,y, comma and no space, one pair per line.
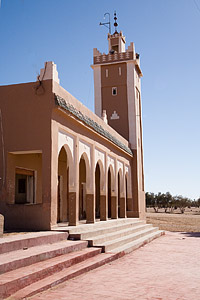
166,269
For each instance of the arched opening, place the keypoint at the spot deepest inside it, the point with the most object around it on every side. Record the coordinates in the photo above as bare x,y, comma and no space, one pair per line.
126,187
109,193
82,189
97,191
118,179
63,187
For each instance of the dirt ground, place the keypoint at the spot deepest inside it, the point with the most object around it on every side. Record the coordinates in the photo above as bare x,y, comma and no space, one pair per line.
187,222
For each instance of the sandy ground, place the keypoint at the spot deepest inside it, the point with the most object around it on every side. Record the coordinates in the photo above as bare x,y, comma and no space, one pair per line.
187,222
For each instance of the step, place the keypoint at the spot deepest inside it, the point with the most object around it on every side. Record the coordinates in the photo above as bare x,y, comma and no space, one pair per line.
129,247
64,275
97,240
110,245
89,234
99,224
15,280
21,258
27,240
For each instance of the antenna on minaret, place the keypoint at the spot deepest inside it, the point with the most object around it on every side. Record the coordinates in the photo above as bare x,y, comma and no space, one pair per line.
115,24
106,23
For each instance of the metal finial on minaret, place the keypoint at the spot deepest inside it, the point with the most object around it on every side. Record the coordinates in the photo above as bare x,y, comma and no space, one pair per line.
115,24
106,23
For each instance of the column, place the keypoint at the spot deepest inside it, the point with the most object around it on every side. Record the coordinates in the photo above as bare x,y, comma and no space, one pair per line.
74,188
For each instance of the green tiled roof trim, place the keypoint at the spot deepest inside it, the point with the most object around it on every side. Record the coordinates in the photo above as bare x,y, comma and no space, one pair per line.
98,128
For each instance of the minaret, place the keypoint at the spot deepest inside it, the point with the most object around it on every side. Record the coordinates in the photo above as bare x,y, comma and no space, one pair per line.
117,92
117,85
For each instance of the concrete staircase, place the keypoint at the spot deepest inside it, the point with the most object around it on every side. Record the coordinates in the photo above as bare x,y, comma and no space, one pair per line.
33,262
119,236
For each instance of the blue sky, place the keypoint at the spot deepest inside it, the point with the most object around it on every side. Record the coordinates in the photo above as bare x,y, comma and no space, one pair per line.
165,33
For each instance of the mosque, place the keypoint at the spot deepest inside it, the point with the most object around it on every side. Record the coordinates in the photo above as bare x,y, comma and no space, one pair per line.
62,163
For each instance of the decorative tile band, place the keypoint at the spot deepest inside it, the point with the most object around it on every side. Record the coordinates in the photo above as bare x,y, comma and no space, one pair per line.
94,125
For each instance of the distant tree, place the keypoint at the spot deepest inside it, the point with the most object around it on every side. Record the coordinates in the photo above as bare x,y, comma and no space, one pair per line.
150,199
167,201
181,202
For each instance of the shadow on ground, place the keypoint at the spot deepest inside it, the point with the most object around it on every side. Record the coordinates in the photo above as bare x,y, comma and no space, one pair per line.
191,234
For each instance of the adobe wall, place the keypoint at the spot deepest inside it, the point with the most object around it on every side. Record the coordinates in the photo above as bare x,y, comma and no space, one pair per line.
26,128
116,103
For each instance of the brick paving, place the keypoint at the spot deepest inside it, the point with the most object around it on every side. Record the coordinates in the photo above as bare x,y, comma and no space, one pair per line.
166,269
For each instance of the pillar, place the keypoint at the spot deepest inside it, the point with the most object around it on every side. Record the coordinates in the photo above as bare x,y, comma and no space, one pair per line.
122,213
90,208
103,207
74,189
114,207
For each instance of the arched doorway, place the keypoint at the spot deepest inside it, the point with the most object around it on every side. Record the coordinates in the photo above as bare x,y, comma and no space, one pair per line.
118,179
82,189
126,187
109,193
63,187
97,191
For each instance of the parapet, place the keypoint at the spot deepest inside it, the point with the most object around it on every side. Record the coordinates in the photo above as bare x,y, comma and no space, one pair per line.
99,58
49,72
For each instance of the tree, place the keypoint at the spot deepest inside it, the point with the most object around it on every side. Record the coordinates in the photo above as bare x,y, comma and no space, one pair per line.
166,200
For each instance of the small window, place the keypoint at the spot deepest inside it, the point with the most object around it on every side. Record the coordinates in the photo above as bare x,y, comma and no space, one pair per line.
106,72
114,91
120,71
24,186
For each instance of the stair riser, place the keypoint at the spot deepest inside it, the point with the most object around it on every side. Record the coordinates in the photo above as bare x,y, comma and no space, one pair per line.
87,235
31,242
128,250
73,275
11,287
40,257
127,240
102,225
117,235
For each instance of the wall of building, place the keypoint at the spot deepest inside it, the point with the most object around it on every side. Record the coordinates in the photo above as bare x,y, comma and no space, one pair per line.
116,106
33,131
80,140
26,133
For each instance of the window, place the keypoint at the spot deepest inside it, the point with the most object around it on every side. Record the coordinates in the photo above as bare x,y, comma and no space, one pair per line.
106,72
120,71
114,91
115,48
24,186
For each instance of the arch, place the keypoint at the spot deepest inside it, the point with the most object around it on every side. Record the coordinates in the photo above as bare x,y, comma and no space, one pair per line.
126,191
102,174
82,188
88,169
120,186
70,163
110,188
63,187
111,168
128,187
97,190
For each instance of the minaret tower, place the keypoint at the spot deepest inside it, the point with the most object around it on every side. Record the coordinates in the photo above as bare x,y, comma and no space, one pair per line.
117,91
